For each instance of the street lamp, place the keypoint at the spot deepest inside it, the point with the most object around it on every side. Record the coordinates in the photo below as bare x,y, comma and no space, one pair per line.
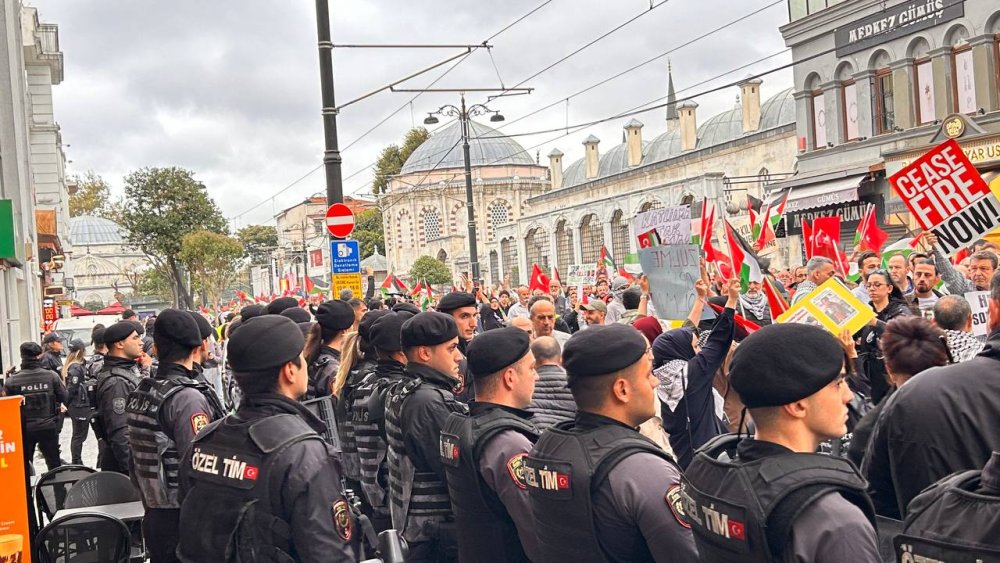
464,114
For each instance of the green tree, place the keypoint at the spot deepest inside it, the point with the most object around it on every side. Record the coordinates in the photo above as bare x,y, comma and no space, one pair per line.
164,204
391,159
214,260
93,197
431,270
258,241
152,282
368,232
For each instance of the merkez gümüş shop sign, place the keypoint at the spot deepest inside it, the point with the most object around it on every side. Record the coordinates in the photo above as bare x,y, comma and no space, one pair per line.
893,22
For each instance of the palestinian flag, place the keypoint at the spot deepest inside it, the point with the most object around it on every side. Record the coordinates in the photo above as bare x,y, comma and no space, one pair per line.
773,212
869,236
426,298
742,258
705,236
744,326
606,260
417,289
903,246
754,224
393,285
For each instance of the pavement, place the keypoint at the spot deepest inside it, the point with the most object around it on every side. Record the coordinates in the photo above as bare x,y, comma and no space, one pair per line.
89,453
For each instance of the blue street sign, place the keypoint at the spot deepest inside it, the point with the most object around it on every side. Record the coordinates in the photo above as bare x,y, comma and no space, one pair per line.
345,256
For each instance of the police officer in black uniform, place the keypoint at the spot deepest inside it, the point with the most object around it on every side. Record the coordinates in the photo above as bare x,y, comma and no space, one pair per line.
118,377
261,485
80,382
599,490
463,308
368,411
484,452
333,318
955,519
416,410
770,497
44,397
52,356
164,413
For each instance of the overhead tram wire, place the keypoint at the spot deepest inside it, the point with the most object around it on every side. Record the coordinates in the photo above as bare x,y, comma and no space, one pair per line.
644,63
380,123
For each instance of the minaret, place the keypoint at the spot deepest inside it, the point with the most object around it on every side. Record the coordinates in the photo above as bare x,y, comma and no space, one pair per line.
673,121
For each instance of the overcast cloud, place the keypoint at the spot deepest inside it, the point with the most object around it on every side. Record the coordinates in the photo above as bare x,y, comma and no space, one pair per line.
230,89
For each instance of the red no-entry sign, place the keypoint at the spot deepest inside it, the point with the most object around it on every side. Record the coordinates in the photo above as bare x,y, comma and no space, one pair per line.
339,220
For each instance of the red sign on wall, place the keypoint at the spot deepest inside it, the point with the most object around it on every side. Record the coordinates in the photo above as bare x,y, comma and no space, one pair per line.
50,314
316,258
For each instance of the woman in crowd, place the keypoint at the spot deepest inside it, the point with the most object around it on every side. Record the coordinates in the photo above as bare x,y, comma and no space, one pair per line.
74,376
491,315
888,303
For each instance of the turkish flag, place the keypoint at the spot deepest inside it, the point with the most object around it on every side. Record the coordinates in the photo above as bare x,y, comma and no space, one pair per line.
538,279
737,530
562,481
250,472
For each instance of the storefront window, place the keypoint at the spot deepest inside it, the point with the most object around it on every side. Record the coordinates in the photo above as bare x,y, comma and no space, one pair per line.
965,81
884,109
819,120
925,91
850,109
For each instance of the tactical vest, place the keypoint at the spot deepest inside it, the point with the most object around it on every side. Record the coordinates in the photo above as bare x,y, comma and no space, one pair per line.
368,420
345,423
562,472
40,404
321,370
155,459
97,422
486,532
227,514
744,511
419,502
948,521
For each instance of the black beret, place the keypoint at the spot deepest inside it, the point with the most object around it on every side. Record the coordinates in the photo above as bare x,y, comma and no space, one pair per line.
335,314
98,335
118,331
235,325
264,342
30,350
368,319
305,327
51,337
784,363
456,300
140,329
297,314
603,350
429,328
177,326
385,332
280,304
204,327
251,311
404,306
496,349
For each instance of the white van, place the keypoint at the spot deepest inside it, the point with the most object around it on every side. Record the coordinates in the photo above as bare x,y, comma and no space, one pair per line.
81,328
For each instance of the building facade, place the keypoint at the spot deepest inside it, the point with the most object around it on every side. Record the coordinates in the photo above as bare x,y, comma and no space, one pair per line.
105,267
877,84
594,200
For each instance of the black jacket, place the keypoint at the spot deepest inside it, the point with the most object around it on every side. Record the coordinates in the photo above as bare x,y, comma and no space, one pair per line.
940,422
32,379
424,415
52,361
870,351
552,402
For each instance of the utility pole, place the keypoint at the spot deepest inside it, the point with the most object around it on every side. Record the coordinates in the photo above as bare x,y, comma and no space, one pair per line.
331,156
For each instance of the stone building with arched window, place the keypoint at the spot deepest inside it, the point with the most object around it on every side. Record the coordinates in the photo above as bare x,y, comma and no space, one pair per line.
103,263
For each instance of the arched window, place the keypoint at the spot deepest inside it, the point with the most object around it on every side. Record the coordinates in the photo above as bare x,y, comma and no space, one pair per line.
619,235
494,267
432,224
817,111
536,245
963,70
765,178
456,218
591,239
509,252
564,245
404,230
650,205
885,108
848,101
499,214
923,80
442,256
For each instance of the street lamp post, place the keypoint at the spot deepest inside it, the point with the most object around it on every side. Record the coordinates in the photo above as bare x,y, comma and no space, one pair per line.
464,114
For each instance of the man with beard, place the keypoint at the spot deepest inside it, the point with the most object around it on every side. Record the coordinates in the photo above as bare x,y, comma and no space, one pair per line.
982,264
753,305
925,279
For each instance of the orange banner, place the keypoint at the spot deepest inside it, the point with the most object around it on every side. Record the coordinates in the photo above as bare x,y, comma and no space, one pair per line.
14,534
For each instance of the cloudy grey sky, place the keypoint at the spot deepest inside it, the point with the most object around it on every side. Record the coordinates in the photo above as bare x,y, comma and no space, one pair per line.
230,88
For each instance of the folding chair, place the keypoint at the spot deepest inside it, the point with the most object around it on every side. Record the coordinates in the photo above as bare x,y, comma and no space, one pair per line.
84,538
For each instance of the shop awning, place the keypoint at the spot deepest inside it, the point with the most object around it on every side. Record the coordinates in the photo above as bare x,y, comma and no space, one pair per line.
821,194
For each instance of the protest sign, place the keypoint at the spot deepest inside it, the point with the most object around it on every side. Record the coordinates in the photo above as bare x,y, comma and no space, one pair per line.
948,197
667,225
831,306
741,224
578,274
672,270
979,301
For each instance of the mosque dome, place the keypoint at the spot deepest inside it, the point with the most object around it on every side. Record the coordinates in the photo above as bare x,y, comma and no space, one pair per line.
487,147
88,230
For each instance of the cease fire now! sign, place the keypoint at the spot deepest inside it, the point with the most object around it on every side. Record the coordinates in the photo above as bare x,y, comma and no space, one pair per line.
948,197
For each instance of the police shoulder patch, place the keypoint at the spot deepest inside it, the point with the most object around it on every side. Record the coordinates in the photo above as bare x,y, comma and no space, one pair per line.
199,420
118,405
515,466
675,500
342,520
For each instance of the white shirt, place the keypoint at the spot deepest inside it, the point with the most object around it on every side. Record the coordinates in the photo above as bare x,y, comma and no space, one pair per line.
518,310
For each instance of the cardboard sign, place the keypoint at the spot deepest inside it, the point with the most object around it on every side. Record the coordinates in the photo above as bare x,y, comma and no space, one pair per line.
667,225
14,533
831,306
948,197
579,274
741,224
979,301
672,270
